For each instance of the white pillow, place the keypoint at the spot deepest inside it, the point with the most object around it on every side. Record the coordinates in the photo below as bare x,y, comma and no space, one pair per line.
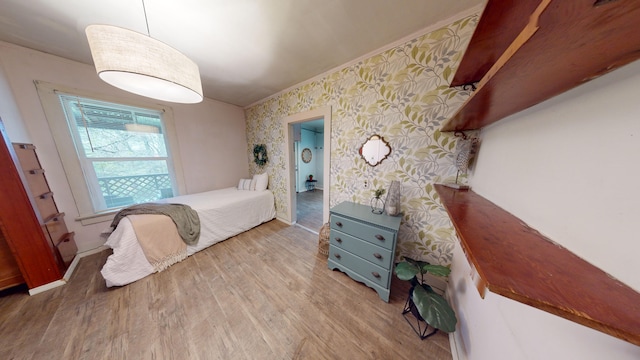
262,181
246,184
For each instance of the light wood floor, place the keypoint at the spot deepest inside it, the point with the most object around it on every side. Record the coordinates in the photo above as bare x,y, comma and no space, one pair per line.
264,294
309,209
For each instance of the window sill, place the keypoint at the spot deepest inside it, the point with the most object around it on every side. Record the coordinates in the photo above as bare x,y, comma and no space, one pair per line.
96,218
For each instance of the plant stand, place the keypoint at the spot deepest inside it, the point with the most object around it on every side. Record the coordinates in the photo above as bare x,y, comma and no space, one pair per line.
311,184
420,327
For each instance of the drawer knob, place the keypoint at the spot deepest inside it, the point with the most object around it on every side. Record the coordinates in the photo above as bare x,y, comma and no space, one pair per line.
377,256
339,240
375,274
46,195
338,224
380,237
337,256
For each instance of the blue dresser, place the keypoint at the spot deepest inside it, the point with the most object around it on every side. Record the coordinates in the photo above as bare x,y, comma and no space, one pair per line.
362,245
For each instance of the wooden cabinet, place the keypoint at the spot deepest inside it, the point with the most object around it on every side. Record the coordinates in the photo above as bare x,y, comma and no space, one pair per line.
35,245
526,51
10,274
54,227
363,244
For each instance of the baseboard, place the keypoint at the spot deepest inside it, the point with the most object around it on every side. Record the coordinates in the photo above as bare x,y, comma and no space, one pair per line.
45,287
284,220
71,268
68,273
92,251
456,351
456,343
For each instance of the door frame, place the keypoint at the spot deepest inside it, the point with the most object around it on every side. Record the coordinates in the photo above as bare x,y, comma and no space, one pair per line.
319,113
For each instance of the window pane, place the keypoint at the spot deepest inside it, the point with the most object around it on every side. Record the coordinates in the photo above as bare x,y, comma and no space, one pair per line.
122,151
130,182
102,143
109,132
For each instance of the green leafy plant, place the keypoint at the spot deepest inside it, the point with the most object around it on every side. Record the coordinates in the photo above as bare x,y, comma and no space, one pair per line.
431,306
378,192
260,154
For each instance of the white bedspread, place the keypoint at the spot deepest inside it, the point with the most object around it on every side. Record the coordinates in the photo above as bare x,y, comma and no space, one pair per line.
223,214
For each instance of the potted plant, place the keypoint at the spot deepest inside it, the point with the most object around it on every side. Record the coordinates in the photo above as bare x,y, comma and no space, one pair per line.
423,302
310,177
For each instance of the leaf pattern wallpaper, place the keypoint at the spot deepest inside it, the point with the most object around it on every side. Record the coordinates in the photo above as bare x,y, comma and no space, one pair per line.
402,94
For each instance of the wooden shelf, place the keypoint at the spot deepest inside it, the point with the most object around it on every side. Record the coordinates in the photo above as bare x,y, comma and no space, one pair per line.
487,45
516,261
553,46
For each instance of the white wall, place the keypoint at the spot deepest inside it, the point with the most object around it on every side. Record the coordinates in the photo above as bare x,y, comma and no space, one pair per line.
568,168
211,135
9,110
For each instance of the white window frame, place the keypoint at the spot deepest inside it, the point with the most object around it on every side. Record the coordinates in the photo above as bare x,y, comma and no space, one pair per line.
61,133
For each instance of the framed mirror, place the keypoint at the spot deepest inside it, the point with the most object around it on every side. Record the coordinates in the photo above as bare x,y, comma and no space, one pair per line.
374,150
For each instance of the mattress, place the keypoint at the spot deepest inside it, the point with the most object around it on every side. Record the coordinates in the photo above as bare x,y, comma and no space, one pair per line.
223,214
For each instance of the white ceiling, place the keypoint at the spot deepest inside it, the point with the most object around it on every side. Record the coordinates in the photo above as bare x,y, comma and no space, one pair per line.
247,50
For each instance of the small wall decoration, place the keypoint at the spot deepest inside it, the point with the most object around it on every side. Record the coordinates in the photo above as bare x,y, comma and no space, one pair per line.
260,154
374,150
466,149
306,155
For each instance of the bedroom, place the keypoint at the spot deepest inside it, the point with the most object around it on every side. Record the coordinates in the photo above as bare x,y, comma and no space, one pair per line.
222,128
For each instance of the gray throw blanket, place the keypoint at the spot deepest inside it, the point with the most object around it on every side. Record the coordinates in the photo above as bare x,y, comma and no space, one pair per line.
186,219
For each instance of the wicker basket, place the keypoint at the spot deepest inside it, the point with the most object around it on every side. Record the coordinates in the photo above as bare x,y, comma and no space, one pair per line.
323,240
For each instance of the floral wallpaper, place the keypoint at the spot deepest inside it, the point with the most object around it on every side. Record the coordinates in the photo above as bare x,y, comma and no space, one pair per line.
402,94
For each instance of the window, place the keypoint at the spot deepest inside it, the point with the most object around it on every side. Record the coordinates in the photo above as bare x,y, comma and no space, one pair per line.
122,152
114,152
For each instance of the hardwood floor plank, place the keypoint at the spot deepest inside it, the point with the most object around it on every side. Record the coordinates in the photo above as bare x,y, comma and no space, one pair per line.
266,293
309,209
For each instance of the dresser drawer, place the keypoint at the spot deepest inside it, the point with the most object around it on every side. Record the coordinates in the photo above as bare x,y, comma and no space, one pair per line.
362,245
56,228
67,249
46,205
370,233
27,157
366,250
37,182
369,271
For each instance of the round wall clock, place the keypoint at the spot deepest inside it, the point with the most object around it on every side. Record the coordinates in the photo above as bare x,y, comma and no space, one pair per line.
306,155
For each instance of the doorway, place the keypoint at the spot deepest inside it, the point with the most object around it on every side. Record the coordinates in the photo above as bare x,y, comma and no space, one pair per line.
295,172
308,140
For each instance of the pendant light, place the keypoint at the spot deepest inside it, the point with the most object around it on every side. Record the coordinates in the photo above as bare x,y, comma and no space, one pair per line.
139,64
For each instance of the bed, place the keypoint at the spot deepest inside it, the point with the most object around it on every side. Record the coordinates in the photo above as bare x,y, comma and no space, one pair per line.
223,214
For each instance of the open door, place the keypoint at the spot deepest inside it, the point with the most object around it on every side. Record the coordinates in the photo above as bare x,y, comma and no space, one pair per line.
291,159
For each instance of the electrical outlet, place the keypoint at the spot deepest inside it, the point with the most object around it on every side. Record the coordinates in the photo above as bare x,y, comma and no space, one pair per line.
366,184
